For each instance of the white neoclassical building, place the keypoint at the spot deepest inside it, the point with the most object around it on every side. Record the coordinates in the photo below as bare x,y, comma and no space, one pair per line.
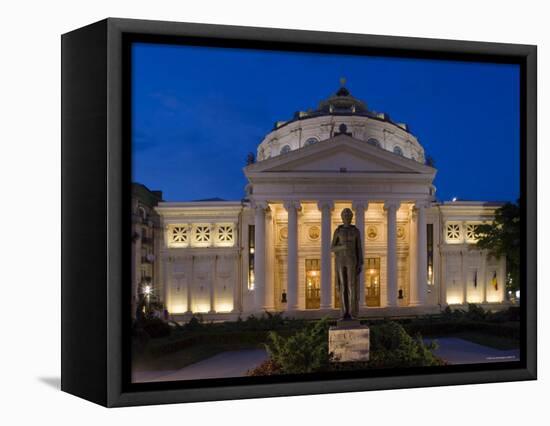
271,251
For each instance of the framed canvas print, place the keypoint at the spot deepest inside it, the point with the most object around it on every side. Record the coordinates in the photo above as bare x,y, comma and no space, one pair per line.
252,212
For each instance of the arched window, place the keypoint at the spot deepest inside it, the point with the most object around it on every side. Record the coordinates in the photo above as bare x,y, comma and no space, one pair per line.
397,150
311,141
285,149
374,142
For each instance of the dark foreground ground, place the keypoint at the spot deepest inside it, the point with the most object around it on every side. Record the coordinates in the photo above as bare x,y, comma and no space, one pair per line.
203,350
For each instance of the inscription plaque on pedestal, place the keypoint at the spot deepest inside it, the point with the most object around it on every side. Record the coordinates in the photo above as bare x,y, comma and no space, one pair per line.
349,343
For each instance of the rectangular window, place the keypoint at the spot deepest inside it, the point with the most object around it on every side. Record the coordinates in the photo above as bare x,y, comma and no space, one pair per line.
430,247
251,236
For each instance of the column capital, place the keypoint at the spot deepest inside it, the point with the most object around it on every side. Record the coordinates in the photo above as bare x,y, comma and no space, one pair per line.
325,204
292,204
421,204
261,205
392,204
360,204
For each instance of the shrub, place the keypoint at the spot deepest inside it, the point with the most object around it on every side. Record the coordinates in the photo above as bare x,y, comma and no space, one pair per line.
269,321
153,327
195,323
475,312
266,368
304,352
307,351
513,313
391,346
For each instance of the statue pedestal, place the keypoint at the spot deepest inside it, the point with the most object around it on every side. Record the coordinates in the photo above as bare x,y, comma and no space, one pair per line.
349,341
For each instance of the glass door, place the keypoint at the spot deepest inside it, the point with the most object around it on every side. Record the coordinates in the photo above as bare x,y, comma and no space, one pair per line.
313,284
372,281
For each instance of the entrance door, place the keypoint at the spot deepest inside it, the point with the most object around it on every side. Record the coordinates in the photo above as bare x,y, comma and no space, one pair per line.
313,284
372,281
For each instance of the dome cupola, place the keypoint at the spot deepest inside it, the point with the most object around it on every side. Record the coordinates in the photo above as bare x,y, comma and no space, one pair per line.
342,102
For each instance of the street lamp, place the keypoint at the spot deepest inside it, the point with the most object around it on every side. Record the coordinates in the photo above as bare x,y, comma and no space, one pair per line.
147,291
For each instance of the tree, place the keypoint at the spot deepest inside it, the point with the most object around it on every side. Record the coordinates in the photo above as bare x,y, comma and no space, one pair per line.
502,238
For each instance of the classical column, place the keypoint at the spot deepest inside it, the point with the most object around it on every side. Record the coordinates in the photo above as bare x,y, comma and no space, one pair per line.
213,286
443,279
360,206
421,253
259,254
413,261
189,284
269,296
326,208
168,288
464,275
391,261
481,280
292,208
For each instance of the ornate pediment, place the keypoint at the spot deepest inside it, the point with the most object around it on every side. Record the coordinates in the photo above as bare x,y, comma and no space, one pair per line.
340,154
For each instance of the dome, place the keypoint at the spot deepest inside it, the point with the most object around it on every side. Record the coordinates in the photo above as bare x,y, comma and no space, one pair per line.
341,108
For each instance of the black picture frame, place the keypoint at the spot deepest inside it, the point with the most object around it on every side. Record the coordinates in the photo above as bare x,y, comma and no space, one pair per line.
95,193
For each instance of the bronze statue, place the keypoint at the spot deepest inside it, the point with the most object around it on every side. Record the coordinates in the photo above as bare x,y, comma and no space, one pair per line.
346,245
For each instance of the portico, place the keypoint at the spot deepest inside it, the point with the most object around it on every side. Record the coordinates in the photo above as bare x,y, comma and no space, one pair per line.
305,196
294,225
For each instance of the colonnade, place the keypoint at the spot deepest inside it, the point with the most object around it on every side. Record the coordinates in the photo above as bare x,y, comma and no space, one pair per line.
326,208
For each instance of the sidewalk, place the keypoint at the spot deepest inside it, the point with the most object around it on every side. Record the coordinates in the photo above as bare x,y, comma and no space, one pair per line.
460,351
225,364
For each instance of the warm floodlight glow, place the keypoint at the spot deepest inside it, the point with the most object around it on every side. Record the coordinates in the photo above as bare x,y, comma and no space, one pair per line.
251,280
147,290
475,298
201,308
224,307
177,308
454,300
494,296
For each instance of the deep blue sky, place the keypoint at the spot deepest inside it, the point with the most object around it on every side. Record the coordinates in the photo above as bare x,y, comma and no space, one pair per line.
198,111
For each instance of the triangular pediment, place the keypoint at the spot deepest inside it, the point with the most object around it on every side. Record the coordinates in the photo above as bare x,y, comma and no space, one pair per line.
340,154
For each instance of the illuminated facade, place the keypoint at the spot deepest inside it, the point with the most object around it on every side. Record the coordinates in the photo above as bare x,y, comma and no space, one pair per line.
271,251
